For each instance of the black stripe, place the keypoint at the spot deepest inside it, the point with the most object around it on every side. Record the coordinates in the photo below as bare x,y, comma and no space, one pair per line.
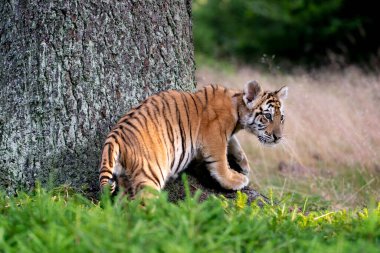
172,163
134,128
156,112
206,96
112,135
145,119
180,166
139,121
160,131
107,143
200,101
168,126
104,177
170,131
147,128
154,174
131,113
173,132
136,170
236,94
156,123
106,170
150,178
136,158
162,175
183,136
139,184
110,163
165,141
155,103
186,162
133,133
205,158
165,105
186,104
195,104
209,162
213,90
115,138
167,151
121,134
140,105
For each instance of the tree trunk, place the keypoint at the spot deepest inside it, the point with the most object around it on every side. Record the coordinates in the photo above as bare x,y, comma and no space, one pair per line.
69,69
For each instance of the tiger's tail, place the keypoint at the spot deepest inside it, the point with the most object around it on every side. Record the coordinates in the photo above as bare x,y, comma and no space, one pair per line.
109,165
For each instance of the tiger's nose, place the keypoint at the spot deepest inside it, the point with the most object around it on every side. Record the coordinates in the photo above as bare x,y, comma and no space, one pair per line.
276,138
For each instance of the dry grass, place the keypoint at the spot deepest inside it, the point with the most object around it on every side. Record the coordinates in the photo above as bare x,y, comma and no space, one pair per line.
332,144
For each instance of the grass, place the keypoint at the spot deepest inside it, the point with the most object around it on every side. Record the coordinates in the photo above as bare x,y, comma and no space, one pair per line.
331,149
61,221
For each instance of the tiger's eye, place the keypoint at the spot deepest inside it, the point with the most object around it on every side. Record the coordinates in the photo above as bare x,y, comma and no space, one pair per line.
268,116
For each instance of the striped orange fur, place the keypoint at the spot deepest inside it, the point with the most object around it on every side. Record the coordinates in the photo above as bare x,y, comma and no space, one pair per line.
160,137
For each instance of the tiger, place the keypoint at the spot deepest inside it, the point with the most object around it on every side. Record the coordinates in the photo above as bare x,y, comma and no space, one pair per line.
158,139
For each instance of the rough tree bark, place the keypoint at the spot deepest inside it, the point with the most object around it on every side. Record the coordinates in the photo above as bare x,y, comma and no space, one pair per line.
69,69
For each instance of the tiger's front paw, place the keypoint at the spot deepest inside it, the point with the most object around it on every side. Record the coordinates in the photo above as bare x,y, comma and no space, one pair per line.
240,181
234,181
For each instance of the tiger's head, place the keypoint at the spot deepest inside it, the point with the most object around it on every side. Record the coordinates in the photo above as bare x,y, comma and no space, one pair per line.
262,112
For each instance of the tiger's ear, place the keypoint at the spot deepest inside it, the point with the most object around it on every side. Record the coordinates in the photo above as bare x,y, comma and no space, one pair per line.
282,93
251,91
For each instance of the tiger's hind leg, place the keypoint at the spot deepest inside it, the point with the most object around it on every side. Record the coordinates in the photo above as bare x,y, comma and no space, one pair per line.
236,151
110,166
115,182
147,182
145,190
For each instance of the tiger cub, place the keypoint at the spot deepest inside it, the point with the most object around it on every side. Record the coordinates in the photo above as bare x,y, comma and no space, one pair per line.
160,137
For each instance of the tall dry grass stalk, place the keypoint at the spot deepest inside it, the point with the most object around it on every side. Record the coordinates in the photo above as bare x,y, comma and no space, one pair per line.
332,123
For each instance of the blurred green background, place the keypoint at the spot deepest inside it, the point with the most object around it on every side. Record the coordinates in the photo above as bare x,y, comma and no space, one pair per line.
311,32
